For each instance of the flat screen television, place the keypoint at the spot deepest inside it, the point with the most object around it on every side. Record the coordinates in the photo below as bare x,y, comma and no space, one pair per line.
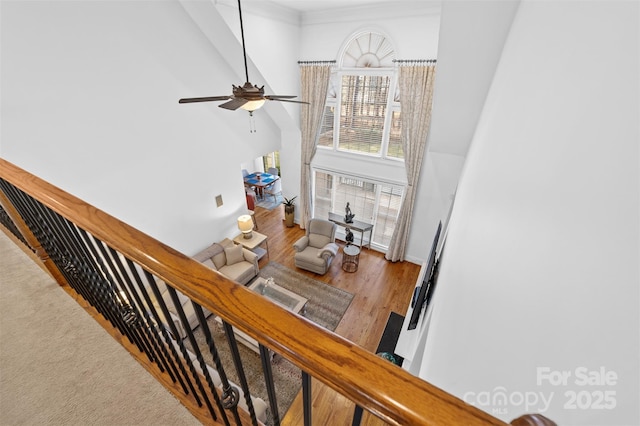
424,292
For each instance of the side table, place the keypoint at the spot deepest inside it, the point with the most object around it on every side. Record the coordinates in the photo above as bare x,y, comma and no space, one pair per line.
350,258
254,243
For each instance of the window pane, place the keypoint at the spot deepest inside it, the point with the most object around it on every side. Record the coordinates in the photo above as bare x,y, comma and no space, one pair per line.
362,111
326,131
388,209
360,195
323,192
395,141
373,203
272,160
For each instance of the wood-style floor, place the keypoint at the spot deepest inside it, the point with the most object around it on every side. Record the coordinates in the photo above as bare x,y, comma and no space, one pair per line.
378,286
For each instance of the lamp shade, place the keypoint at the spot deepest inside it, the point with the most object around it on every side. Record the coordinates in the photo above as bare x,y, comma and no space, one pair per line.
245,224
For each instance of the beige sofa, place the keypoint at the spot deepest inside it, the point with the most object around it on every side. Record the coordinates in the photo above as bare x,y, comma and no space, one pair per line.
231,260
316,250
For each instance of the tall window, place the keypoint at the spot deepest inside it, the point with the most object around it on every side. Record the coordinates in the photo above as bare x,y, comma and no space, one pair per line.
368,119
372,202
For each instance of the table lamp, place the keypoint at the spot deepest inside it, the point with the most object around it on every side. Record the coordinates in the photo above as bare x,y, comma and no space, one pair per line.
245,224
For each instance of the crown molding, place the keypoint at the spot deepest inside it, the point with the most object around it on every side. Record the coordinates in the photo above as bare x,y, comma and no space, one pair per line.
379,11
264,8
389,10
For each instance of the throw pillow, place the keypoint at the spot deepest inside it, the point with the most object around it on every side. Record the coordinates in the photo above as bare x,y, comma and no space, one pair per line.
216,254
234,254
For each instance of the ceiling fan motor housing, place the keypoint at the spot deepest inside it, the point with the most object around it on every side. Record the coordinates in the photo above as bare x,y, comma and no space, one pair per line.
248,91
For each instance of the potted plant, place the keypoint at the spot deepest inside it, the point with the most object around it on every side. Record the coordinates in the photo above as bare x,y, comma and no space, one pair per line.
289,211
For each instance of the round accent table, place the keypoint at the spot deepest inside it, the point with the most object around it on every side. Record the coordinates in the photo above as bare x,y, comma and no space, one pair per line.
350,258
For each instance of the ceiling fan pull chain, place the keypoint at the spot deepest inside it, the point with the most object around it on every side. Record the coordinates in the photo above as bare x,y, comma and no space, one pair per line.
252,123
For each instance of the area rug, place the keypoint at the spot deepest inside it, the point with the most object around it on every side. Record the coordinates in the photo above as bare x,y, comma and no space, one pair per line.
326,306
268,202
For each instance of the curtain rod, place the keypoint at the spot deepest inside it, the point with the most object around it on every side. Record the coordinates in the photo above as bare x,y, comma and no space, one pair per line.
397,61
315,62
415,61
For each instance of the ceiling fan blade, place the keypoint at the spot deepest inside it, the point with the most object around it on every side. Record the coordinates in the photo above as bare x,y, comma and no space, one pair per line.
275,97
286,100
233,104
205,99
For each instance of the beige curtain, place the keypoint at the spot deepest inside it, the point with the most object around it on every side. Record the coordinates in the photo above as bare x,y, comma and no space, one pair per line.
416,94
315,81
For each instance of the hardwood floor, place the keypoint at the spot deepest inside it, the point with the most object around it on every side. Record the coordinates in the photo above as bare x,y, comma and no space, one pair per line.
378,286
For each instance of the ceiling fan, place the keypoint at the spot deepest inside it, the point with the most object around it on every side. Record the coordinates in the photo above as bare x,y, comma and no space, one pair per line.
248,96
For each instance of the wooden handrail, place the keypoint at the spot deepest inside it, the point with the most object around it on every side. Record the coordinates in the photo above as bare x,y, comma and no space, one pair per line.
382,388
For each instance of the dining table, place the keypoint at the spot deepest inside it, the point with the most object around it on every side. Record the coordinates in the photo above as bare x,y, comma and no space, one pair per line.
260,181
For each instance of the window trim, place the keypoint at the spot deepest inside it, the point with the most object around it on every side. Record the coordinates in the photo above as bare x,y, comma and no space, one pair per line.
391,107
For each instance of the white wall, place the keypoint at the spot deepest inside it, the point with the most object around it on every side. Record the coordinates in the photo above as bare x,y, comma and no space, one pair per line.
413,29
90,102
471,38
540,269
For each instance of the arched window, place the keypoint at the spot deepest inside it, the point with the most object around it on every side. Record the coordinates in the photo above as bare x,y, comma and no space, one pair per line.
362,113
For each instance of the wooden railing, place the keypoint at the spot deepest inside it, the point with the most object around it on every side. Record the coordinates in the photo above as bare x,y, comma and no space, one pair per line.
39,210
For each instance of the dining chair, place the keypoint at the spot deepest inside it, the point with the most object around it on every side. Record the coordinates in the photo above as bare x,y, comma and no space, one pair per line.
251,206
274,189
273,171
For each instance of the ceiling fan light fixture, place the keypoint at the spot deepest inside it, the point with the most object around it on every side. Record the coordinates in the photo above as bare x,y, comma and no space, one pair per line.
253,105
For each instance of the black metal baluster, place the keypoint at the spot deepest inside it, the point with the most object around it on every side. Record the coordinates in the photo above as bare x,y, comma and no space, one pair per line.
237,361
34,214
230,395
124,307
194,345
109,272
265,357
149,325
357,416
135,314
68,251
306,397
180,359
159,328
102,276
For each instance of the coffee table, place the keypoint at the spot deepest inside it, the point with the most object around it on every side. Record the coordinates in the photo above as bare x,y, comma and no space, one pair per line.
279,295
286,299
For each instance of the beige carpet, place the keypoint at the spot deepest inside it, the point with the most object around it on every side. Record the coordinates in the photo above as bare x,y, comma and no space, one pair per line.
59,367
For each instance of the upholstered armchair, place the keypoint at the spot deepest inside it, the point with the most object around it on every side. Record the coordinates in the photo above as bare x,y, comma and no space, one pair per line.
316,250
